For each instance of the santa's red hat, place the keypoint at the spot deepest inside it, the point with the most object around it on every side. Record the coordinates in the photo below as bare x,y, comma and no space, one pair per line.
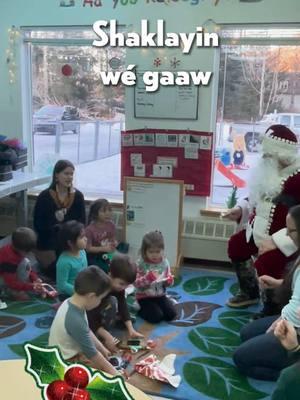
281,141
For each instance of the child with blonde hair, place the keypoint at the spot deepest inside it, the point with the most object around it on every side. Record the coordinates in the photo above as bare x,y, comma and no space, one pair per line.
153,276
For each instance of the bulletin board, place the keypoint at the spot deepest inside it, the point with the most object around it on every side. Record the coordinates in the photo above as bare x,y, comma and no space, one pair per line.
154,204
169,154
168,102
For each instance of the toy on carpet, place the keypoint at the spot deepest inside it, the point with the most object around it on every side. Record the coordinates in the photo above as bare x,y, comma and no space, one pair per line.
136,345
162,370
48,291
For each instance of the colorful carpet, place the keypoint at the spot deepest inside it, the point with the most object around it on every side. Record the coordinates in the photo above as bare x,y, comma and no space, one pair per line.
203,337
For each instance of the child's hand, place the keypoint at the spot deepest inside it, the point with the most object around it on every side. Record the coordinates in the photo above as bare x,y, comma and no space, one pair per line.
135,334
38,287
151,276
106,353
111,343
170,280
108,246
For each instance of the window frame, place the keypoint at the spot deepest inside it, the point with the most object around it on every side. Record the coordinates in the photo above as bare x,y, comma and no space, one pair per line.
257,41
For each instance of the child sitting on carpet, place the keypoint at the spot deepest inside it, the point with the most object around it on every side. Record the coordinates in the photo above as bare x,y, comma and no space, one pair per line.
101,234
153,276
70,330
16,275
73,259
101,319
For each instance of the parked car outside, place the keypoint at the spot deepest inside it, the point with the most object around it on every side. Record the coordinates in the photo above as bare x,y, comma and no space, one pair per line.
253,132
47,118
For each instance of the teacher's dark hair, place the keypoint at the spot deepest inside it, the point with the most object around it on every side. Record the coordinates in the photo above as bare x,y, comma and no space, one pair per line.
60,166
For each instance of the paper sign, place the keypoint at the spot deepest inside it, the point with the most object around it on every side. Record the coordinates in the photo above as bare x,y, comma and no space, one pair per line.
135,159
127,139
205,143
139,170
161,140
183,140
162,171
189,187
172,140
167,161
191,151
149,139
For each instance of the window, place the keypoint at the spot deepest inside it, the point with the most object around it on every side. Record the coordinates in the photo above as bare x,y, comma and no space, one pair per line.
258,75
73,115
297,121
286,120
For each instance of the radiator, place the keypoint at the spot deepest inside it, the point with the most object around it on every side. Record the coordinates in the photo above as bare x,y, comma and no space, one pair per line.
206,238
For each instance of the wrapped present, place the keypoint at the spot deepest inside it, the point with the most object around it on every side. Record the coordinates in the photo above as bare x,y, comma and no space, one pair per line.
162,371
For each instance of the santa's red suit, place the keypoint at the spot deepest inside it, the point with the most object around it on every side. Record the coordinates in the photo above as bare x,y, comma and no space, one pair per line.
267,219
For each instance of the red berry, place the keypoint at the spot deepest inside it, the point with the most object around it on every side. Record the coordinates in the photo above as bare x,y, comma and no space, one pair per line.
77,394
57,390
77,377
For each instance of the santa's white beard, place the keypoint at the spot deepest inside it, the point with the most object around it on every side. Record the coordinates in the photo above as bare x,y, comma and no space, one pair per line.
264,181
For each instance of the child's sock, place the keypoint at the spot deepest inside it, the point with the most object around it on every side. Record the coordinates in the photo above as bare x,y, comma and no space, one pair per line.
3,305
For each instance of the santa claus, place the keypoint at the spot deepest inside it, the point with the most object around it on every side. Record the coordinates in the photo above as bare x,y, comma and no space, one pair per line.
263,247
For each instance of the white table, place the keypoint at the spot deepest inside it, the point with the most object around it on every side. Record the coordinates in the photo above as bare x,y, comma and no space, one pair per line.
21,182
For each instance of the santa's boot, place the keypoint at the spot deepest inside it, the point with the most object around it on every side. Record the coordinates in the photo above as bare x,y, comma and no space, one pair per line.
248,293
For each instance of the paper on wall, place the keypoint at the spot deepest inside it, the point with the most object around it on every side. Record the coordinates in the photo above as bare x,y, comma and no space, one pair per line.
127,139
191,151
139,139
161,140
143,139
140,170
205,143
162,171
183,140
149,139
172,140
135,159
167,161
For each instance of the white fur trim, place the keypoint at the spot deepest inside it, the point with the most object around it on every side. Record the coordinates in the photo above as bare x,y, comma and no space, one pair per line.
284,242
282,147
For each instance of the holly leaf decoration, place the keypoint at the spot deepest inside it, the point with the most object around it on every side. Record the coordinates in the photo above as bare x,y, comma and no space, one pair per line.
104,388
45,365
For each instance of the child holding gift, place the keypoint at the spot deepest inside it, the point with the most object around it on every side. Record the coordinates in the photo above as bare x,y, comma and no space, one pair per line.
153,276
